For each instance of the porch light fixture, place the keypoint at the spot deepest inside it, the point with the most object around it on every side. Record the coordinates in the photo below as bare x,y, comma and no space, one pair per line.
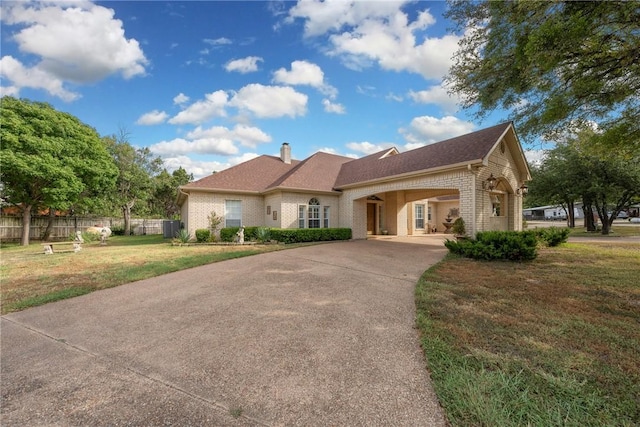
490,183
523,190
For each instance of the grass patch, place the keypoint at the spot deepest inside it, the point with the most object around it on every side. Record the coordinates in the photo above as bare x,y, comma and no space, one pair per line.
554,341
30,278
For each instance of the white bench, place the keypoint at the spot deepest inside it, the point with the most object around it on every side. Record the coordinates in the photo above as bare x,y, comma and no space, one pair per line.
69,246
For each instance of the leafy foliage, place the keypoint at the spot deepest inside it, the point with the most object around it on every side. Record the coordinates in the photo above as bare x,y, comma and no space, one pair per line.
459,228
553,236
165,192
136,169
49,159
286,235
553,64
183,236
203,235
497,245
263,234
576,170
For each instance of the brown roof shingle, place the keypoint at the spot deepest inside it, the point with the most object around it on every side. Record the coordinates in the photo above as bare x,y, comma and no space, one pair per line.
254,175
317,173
328,172
465,148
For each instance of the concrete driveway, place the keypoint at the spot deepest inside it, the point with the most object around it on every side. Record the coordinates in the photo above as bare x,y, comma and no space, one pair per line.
320,335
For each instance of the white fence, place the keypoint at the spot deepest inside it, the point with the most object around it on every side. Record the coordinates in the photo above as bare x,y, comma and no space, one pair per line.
63,227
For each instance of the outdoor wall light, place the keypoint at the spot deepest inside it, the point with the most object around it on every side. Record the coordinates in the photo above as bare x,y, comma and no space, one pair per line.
490,183
523,190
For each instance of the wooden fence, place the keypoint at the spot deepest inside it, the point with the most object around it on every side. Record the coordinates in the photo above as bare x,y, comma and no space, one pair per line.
63,227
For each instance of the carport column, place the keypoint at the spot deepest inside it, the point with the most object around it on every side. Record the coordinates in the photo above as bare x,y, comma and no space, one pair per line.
402,217
359,219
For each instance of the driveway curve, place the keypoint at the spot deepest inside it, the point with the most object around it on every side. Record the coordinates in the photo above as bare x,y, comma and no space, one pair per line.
318,335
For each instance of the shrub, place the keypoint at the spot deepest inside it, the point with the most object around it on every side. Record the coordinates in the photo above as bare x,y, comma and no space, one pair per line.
203,235
301,235
459,228
553,236
263,234
288,235
117,230
183,236
494,245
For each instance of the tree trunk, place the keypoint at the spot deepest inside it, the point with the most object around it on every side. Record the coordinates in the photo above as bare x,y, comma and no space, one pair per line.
604,218
588,217
49,229
571,215
26,225
126,211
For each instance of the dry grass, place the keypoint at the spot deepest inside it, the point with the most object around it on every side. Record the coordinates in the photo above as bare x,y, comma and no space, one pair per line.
28,277
562,331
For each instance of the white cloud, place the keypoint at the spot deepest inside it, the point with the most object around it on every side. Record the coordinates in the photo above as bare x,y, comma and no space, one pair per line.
535,157
177,146
305,73
199,112
436,95
367,148
362,33
154,117
244,65
78,42
248,136
218,42
35,78
180,99
332,107
199,168
270,101
427,130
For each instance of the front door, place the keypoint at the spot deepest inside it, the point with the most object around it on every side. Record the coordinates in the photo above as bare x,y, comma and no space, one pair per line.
371,218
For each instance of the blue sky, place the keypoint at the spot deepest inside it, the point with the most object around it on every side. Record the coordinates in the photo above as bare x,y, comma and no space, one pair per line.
207,84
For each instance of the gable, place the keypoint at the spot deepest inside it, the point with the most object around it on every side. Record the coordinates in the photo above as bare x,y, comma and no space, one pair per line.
466,149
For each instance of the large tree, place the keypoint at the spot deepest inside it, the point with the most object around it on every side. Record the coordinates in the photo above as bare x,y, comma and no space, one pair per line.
554,64
136,169
165,192
575,170
49,159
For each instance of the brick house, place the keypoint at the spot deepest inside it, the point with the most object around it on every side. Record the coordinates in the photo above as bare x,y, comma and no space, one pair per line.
478,176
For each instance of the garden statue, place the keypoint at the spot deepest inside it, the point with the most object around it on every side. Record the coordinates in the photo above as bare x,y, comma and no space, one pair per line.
240,235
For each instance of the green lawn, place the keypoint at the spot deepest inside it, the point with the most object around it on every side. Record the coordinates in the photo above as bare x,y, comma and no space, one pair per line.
30,278
552,342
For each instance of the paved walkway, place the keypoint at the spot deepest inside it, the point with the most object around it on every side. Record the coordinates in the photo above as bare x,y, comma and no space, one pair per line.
314,336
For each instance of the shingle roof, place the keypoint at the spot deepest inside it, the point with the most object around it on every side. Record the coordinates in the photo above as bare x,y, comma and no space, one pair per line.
254,175
317,173
327,172
461,149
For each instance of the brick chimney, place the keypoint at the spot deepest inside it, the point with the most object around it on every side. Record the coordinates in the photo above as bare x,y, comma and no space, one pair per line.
285,153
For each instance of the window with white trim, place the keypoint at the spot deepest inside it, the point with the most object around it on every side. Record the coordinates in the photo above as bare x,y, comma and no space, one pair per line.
325,217
419,216
314,213
233,213
302,215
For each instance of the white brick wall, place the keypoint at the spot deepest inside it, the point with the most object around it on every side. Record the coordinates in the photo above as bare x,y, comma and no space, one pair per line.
349,208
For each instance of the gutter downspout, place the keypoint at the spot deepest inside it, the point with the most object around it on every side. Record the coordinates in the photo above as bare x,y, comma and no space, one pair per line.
473,200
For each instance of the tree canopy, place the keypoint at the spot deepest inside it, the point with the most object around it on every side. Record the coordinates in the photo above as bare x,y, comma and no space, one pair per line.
554,64
49,158
574,170
137,168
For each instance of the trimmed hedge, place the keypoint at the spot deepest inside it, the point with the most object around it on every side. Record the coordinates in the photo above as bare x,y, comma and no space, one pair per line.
203,235
497,245
286,235
301,235
553,236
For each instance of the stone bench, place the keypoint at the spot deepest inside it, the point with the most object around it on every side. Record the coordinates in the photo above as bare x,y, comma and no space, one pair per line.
52,247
